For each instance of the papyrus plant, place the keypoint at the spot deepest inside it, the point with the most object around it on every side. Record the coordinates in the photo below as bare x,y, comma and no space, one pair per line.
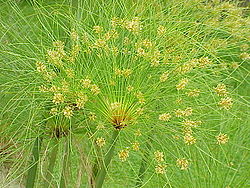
138,93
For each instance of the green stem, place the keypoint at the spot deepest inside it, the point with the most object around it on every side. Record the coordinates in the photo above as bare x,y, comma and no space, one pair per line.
52,162
63,181
95,167
103,171
142,169
34,163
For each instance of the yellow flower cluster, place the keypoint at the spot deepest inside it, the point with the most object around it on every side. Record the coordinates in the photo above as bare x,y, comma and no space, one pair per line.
182,163
149,52
160,169
165,117
182,84
123,155
141,52
193,93
164,77
134,25
136,146
92,116
40,67
95,89
100,43
235,65
159,156
100,125
222,138
43,88
97,29
74,53
74,36
184,113
112,34
126,41
245,56
244,47
117,22
221,90
82,99
55,56
139,111
161,30
125,72
58,98
68,112
154,56
100,141
145,43
140,97
204,62
130,88
189,139
138,132
54,111
70,73
226,103
188,125
188,66
86,83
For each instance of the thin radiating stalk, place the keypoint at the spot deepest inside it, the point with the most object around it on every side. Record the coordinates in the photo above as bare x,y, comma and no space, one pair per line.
142,169
52,162
104,167
34,163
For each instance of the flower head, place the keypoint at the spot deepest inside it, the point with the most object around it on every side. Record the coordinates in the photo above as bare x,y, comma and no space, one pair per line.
40,67
58,98
221,90
182,163
164,77
159,156
97,29
222,138
100,141
124,154
95,89
189,139
226,103
182,84
160,169
161,30
68,112
136,146
86,83
165,117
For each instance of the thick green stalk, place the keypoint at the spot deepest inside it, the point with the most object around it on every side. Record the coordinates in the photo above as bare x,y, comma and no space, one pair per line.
104,167
63,181
34,163
95,167
52,162
142,169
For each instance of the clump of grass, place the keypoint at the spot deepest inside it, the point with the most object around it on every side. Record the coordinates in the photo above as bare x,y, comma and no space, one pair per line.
159,76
